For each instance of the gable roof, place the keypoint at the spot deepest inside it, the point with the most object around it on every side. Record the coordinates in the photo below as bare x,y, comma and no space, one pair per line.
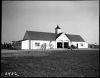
74,38
35,35
58,35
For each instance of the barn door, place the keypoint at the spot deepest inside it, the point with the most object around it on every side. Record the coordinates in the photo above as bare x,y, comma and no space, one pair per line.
59,44
65,44
77,45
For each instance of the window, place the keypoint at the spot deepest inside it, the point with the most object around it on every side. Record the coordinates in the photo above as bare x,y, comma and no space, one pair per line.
37,44
81,44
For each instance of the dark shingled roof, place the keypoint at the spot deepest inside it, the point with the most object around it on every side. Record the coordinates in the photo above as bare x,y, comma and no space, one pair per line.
58,35
35,35
77,38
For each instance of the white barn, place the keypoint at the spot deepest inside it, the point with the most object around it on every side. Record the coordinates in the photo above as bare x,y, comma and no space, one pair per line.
37,40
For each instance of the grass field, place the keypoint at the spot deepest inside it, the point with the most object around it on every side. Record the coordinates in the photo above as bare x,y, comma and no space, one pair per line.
67,63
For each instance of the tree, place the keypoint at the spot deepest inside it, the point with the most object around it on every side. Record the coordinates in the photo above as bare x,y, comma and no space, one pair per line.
1,46
6,46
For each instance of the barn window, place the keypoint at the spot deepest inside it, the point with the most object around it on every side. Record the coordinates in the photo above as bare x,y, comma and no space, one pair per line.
81,44
37,44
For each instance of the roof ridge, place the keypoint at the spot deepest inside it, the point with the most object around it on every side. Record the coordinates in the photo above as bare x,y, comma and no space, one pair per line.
40,32
37,35
70,34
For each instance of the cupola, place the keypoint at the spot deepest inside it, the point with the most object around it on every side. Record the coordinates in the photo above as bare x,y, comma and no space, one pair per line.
57,29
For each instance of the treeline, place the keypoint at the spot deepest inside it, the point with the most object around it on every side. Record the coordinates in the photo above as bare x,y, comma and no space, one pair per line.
7,46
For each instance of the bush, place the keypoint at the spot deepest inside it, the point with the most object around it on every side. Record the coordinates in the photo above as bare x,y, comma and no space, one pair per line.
8,46
72,47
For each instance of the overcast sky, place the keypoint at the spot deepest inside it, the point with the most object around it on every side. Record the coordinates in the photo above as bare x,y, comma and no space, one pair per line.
73,17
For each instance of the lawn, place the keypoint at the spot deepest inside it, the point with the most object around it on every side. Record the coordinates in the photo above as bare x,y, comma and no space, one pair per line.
67,63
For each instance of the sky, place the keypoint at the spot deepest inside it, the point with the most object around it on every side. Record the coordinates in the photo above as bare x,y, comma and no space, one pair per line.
73,17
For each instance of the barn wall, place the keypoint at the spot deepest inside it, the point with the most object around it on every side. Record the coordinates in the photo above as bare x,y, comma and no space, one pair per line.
63,37
70,43
79,44
86,45
18,45
25,44
53,43
41,42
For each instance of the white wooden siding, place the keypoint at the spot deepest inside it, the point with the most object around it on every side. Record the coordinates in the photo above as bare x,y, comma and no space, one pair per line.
62,37
79,44
41,42
86,45
25,44
58,31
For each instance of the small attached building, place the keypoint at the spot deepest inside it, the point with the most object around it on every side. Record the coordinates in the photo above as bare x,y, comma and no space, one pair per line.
40,40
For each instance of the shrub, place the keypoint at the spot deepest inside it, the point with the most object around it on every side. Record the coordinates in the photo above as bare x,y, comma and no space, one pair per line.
72,47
